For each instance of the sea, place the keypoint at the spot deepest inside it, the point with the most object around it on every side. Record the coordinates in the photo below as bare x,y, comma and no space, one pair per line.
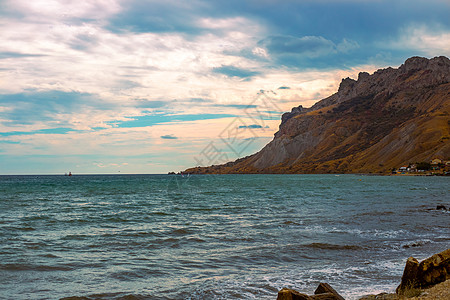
214,236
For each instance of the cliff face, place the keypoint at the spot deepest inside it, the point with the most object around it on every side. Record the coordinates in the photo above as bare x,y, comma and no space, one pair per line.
375,123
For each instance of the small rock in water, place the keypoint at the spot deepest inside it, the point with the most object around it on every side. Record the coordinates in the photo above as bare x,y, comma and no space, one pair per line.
439,207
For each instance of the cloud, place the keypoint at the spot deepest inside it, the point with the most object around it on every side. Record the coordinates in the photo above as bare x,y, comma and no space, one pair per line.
169,137
346,46
422,38
309,51
61,10
232,71
238,106
311,46
284,88
150,104
154,16
196,18
253,126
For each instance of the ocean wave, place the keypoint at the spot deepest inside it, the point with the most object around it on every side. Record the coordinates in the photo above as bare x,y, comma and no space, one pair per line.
162,213
417,243
49,255
35,245
326,246
24,227
31,267
180,231
169,242
399,245
376,213
196,240
292,223
127,275
355,231
111,296
75,237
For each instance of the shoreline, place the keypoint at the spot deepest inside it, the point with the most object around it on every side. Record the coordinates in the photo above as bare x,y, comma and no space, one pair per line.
439,291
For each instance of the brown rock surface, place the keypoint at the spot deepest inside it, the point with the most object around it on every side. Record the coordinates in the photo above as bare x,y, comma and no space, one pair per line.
325,288
440,291
429,272
323,292
325,296
290,294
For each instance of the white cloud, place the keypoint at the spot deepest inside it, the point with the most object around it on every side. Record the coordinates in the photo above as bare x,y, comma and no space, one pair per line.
422,38
63,10
347,45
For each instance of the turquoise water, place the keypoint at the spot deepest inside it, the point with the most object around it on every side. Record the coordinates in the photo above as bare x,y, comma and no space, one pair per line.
214,237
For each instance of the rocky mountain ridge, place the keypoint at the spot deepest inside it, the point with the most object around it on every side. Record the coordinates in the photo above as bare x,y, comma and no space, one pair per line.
371,125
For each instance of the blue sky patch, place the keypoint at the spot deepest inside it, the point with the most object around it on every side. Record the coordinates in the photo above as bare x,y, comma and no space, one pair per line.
232,71
40,131
150,120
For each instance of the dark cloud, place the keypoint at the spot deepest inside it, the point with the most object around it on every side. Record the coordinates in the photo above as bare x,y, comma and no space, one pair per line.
158,16
301,34
169,137
284,88
253,126
232,71
332,19
310,51
308,45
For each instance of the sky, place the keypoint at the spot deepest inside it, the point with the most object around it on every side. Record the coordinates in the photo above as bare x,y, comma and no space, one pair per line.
143,86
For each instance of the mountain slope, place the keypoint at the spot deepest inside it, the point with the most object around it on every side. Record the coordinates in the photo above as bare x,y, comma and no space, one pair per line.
375,123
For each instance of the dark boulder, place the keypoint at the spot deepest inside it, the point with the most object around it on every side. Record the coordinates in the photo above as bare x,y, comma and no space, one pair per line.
290,294
429,272
325,288
325,296
323,292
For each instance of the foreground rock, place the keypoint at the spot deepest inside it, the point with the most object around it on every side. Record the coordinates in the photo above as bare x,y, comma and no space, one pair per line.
429,272
323,292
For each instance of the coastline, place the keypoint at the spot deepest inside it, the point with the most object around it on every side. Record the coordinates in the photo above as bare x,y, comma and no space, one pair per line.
439,291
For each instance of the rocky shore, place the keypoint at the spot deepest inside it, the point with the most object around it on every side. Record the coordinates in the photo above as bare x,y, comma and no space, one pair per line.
429,279
439,291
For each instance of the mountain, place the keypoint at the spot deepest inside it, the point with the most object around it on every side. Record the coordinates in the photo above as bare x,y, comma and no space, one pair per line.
373,124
